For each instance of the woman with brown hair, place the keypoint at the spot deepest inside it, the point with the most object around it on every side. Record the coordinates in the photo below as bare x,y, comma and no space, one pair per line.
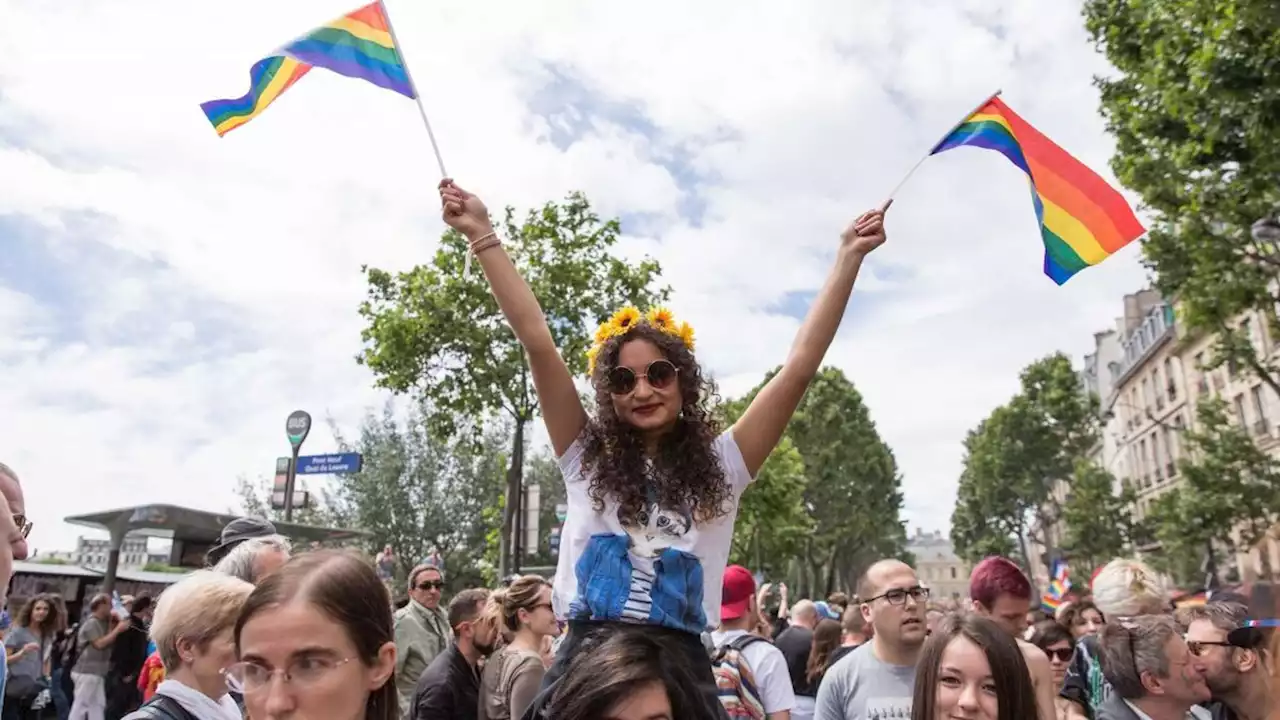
971,668
27,647
826,640
652,479
323,624
513,675
631,674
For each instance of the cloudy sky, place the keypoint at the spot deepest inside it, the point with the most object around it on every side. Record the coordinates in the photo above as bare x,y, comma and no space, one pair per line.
168,297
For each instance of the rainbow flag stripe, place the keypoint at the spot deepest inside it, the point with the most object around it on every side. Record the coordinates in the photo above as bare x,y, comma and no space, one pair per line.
1050,603
267,80
357,45
1083,220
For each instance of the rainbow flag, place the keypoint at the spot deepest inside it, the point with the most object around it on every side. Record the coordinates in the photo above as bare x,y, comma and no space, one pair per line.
1083,220
1059,586
358,45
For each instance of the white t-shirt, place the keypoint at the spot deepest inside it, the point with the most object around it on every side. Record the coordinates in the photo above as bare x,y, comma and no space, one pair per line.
664,570
768,667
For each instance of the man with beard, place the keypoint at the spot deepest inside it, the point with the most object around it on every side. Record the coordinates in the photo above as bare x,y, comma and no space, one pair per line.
1002,594
449,689
1231,655
877,679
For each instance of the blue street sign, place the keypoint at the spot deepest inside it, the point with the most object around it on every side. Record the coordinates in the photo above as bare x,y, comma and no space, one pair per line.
329,464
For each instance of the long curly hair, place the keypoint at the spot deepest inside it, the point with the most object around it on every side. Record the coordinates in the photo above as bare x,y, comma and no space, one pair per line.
686,473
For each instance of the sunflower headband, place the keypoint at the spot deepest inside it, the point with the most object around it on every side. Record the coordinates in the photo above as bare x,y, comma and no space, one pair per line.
628,318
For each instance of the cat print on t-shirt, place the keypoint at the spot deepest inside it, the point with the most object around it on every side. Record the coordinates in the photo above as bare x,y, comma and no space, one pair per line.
654,565
642,576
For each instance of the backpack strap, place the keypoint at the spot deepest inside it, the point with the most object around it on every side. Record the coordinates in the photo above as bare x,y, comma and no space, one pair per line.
740,643
161,707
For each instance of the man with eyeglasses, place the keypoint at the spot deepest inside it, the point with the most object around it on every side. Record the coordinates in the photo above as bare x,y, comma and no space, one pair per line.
877,679
1152,673
1232,656
1001,593
422,631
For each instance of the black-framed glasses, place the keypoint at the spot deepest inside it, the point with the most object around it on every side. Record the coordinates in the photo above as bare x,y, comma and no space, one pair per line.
659,374
898,596
23,524
248,677
431,585
1198,647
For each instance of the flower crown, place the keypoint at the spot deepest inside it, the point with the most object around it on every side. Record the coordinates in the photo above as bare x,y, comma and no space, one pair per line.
628,318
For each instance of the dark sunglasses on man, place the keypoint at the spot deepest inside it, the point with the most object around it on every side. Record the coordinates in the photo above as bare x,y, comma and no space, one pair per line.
426,585
23,524
659,374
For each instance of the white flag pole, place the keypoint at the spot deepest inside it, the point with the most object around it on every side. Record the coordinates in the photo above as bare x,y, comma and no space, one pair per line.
945,135
422,110
391,29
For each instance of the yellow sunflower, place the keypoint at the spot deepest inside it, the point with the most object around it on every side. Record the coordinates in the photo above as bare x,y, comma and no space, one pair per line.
686,334
591,359
604,332
661,319
624,320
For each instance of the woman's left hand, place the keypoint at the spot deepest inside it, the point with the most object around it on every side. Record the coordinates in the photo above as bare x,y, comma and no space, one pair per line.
867,232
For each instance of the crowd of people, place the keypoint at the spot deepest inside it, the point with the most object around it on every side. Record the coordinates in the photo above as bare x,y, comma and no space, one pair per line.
644,619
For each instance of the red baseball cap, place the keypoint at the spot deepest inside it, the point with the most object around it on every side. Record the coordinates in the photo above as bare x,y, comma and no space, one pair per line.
738,589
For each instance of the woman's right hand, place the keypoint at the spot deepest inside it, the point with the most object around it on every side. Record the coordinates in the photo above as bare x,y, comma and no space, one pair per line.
463,211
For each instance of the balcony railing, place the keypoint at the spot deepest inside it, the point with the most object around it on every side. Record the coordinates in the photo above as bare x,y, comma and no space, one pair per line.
1171,470
1260,428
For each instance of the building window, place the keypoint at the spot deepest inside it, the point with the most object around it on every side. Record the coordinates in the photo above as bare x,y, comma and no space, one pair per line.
1171,384
1156,456
1146,394
1239,406
953,573
1261,424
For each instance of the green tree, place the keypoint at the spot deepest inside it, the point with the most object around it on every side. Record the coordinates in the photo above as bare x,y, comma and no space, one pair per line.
1230,494
772,522
325,507
1017,455
988,518
852,491
1098,523
1195,110
421,493
435,333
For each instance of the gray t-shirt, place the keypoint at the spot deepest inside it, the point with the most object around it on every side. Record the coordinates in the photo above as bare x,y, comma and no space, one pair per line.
861,687
30,665
92,661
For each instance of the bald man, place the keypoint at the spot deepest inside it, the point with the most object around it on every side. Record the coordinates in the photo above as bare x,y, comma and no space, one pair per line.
878,678
795,643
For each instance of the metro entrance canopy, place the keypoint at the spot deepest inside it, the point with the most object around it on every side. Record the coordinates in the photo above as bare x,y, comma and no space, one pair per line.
193,532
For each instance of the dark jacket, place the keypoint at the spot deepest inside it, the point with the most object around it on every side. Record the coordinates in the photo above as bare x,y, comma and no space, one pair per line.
449,689
1115,708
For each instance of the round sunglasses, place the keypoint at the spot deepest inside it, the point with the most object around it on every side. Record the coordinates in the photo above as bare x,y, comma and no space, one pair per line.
659,374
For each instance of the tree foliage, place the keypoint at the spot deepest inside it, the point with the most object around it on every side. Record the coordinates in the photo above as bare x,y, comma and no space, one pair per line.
1099,526
439,335
326,507
1230,494
1016,455
421,494
851,489
1195,111
772,521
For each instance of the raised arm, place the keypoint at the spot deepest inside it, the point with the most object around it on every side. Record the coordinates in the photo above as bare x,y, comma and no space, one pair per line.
760,428
561,407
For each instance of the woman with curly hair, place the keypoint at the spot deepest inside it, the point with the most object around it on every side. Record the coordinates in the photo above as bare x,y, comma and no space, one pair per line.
652,481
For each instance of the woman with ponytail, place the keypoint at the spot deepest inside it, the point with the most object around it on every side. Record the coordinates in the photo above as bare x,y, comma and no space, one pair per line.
513,676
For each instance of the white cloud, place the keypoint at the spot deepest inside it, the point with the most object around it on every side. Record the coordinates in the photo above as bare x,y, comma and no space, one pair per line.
792,118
